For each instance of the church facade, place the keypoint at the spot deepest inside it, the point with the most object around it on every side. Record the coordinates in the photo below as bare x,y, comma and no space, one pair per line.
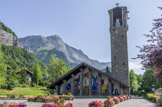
85,80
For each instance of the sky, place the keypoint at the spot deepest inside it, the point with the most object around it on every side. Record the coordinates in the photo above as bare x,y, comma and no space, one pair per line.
83,24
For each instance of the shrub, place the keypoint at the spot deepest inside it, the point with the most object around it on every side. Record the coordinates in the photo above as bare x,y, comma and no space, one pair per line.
13,104
47,105
125,98
116,100
109,97
151,97
109,103
69,105
121,99
95,104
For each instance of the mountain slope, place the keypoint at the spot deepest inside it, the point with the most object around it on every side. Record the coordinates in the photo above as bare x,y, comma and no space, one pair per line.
35,43
17,58
7,36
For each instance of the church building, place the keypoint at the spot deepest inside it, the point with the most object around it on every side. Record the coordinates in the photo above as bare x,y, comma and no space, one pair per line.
85,80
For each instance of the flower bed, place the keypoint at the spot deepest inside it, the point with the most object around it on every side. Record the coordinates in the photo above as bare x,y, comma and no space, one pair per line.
116,100
3,96
125,98
57,105
95,104
110,102
5,104
50,99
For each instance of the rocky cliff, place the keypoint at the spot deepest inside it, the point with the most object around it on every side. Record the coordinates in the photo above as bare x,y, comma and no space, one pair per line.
7,37
36,43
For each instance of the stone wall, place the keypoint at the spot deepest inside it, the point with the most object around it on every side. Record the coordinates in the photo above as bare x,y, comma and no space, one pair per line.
8,39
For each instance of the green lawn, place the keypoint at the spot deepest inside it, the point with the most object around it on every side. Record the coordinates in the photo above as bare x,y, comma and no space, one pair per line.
30,91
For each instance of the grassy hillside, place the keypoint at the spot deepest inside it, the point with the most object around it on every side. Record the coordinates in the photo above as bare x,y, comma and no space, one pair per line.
17,58
44,55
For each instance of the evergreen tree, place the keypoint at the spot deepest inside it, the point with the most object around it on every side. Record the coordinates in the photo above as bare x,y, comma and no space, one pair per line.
133,82
149,80
11,80
107,70
37,75
22,76
57,68
3,74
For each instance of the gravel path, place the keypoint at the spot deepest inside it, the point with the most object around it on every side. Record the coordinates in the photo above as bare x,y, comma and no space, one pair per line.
83,102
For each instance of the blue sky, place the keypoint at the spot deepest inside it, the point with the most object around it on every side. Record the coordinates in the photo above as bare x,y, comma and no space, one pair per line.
83,24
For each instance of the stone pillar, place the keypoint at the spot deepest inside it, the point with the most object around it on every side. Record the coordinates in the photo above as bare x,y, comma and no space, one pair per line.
72,84
100,85
64,92
56,89
81,82
109,88
90,82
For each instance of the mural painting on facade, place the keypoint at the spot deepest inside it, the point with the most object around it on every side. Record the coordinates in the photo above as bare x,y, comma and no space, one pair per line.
95,84
105,89
76,86
68,88
86,83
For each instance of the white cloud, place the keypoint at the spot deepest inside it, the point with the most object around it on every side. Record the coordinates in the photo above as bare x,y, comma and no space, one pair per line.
134,66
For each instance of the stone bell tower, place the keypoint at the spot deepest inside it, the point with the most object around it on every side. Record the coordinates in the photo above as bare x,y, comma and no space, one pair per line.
119,51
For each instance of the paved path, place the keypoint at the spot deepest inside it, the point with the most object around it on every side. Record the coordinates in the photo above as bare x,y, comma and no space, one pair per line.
135,102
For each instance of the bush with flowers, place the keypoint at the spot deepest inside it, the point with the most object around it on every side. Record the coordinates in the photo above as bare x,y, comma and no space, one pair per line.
57,105
116,100
109,97
47,105
125,98
128,97
109,103
3,96
121,98
95,104
13,104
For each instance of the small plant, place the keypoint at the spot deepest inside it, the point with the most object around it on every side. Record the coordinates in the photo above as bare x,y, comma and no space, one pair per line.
47,105
109,97
69,105
109,103
116,100
95,104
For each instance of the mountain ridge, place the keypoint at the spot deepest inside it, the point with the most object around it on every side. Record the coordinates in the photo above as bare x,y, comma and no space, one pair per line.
35,42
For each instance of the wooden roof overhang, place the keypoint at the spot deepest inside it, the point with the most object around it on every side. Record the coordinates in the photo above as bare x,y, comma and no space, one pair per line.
77,70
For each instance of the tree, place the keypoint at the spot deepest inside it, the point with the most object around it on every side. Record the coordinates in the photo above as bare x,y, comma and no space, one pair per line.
151,54
133,82
3,74
11,80
107,70
148,80
22,76
52,68
37,75
57,68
